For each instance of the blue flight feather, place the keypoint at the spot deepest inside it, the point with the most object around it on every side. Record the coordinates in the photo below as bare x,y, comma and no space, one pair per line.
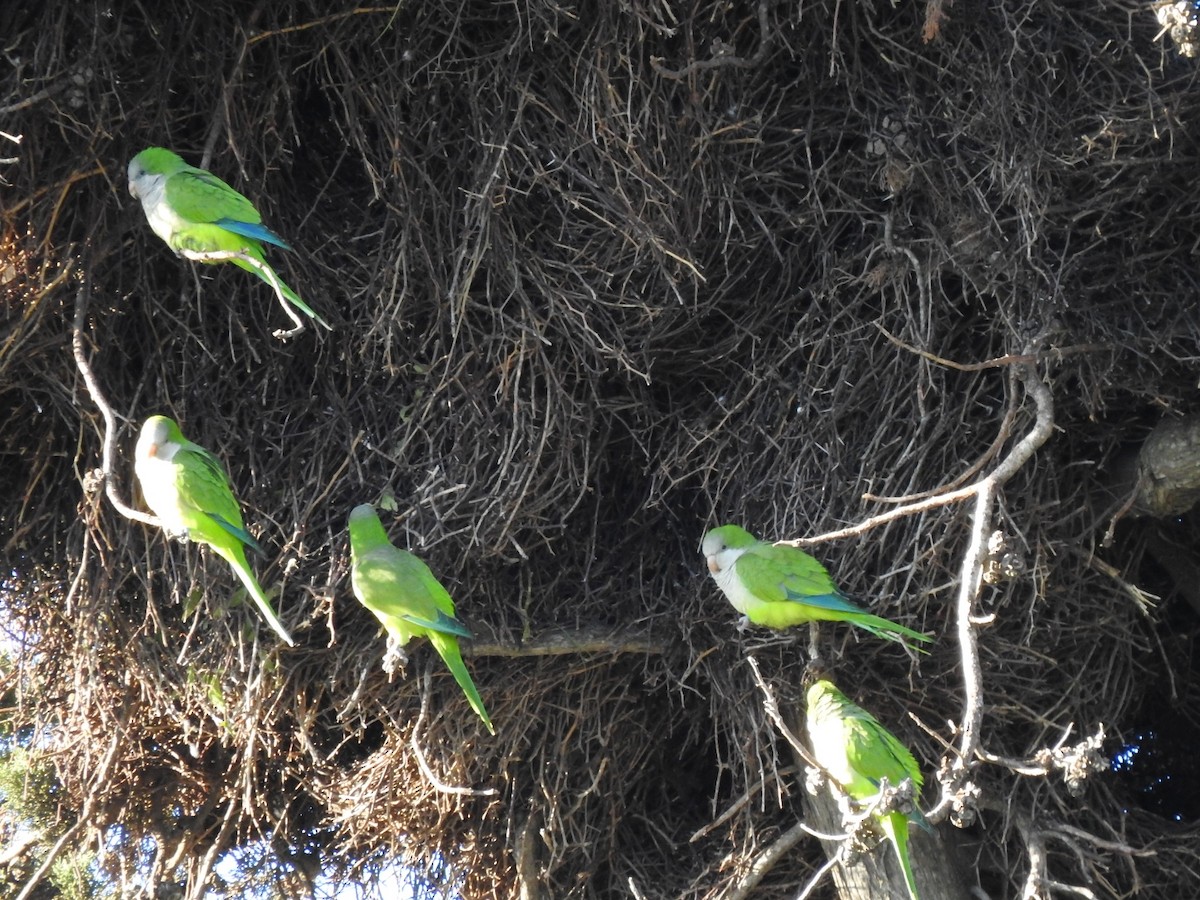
253,231
240,533
444,623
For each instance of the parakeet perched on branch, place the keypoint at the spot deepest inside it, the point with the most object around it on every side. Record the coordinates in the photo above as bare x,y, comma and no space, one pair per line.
188,490
195,211
404,595
859,753
781,586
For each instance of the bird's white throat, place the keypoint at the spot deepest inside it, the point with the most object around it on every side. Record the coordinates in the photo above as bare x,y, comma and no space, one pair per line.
151,190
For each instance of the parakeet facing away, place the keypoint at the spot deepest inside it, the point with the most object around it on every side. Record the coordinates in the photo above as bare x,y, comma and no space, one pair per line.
858,752
193,210
187,488
781,586
403,594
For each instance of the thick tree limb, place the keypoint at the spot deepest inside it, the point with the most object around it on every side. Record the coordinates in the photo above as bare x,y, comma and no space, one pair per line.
567,643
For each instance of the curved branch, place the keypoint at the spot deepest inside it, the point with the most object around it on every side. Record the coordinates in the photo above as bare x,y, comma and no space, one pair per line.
973,559
105,472
722,58
423,763
1020,454
955,790
954,787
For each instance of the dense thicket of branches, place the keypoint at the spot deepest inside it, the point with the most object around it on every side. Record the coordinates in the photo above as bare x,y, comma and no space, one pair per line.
601,276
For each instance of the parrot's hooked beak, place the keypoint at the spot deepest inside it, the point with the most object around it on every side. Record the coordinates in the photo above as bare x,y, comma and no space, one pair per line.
713,566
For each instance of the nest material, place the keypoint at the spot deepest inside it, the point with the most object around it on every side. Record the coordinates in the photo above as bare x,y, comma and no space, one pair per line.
600,278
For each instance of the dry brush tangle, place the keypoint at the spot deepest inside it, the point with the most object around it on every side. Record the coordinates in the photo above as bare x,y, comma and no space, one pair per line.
601,277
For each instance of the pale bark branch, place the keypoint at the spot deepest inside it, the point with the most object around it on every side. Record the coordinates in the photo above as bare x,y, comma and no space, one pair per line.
105,472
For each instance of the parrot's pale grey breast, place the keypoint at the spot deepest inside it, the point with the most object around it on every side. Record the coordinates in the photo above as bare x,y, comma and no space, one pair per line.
151,188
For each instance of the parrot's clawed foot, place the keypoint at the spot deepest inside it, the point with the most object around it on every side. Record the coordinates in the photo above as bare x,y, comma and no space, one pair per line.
894,799
742,624
286,334
394,658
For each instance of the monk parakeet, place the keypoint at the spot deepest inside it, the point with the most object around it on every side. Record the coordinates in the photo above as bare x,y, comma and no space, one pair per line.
187,488
858,753
403,594
193,210
780,586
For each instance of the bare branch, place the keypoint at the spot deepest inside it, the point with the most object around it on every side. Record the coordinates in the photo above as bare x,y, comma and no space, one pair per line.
765,861
567,643
722,56
105,472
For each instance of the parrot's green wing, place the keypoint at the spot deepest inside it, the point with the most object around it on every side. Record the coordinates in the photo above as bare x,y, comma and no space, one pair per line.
240,533
200,196
784,573
442,623
875,753
869,750
792,587
202,484
216,520
404,594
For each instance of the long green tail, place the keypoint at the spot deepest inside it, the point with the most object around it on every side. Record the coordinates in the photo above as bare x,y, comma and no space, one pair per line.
447,646
290,294
895,826
237,559
889,630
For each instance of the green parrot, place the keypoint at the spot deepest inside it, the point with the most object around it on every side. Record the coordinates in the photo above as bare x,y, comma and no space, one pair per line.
858,753
193,210
780,586
403,594
188,490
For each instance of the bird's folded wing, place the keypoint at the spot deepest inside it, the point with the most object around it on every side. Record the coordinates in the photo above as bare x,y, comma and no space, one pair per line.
200,196
875,753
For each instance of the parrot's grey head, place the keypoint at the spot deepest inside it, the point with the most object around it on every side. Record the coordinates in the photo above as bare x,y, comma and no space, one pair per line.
722,546
134,172
157,432
140,181
713,547
137,177
364,512
713,543
148,170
